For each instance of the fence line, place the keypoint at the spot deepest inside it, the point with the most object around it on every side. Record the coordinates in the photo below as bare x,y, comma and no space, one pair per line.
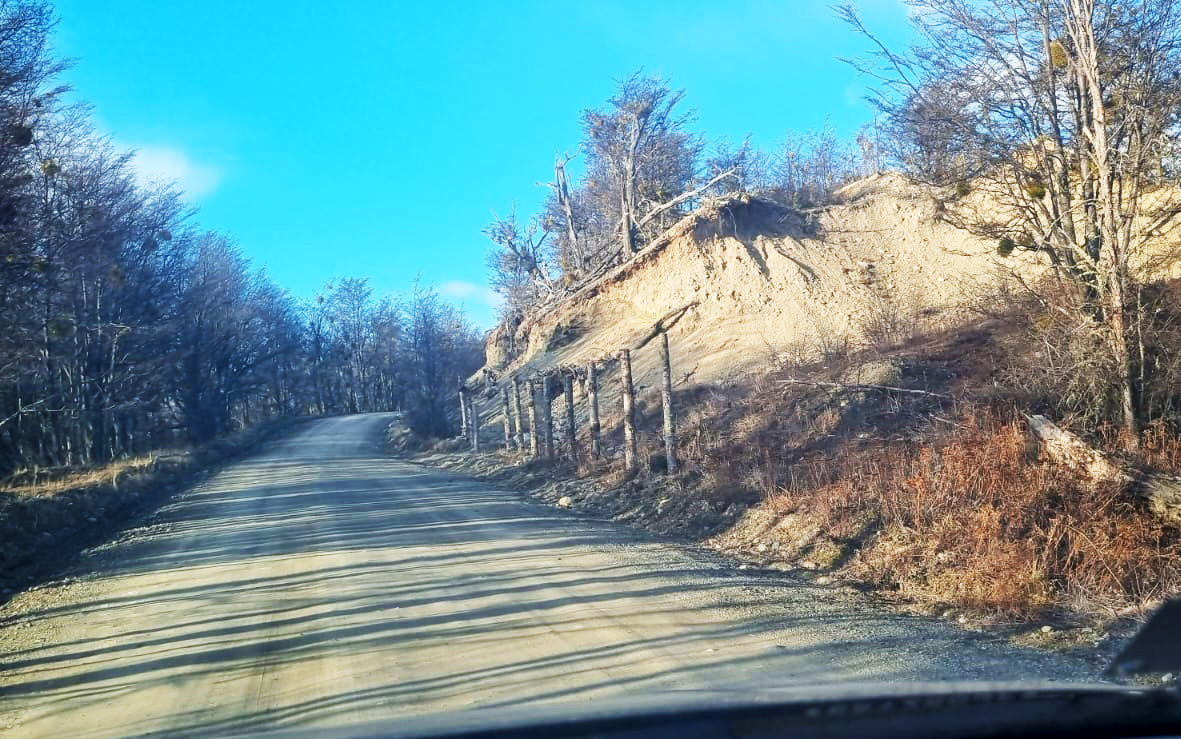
540,410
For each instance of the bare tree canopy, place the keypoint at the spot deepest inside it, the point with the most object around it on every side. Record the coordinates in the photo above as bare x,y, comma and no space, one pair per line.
639,153
127,327
517,266
1065,112
637,170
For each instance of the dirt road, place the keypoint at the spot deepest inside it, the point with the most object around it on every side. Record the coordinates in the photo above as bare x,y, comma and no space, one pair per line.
324,584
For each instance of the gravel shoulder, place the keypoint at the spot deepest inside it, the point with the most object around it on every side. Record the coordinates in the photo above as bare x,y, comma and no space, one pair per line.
323,584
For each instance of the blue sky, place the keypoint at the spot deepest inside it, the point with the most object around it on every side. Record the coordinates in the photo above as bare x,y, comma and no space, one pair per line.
376,138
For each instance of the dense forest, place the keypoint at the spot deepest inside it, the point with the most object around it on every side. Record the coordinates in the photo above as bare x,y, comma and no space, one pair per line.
128,326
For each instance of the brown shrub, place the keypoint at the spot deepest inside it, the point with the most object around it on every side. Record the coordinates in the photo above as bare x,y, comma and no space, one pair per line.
1058,362
1160,448
977,520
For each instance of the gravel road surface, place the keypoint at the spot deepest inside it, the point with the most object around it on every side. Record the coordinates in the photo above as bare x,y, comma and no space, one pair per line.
323,584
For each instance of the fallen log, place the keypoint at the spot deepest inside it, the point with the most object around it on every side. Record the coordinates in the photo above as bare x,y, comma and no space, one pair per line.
1161,492
1063,447
861,387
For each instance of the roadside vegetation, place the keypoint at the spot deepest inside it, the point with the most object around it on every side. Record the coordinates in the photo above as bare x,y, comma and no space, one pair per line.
908,458
941,498
947,499
48,517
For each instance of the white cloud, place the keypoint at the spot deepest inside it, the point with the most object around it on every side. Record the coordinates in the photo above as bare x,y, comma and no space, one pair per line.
461,290
156,164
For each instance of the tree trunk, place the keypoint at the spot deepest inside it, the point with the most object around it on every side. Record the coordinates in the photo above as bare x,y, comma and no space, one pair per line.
1162,492
1112,226
547,418
592,375
518,421
534,436
1063,447
562,186
625,227
628,191
1126,361
568,392
666,397
629,413
508,423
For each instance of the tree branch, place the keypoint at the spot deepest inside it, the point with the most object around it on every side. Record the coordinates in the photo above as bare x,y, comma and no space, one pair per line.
660,326
858,386
683,197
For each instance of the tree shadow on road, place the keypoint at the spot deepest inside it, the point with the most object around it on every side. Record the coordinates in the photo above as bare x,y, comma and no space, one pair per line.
436,589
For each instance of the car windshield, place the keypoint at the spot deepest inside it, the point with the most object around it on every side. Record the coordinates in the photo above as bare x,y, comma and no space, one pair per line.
376,360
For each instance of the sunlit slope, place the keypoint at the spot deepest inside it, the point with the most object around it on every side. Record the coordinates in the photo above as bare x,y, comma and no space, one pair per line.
764,282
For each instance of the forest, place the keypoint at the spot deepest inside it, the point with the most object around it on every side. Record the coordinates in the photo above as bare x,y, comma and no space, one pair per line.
129,326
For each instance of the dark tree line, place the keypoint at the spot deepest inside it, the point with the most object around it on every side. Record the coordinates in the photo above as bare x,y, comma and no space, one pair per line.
124,326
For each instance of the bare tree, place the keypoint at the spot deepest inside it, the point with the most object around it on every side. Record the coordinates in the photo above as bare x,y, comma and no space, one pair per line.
574,250
439,345
349,306
639,154
741,169
808,168
1065,111
517,267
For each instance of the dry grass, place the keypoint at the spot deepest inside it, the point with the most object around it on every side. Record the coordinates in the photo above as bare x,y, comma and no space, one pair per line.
940,501
977,520
49,482
1160,448
48,516
940,497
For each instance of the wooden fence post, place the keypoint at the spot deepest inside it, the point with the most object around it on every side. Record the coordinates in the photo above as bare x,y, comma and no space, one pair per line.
547,418
592,379
568,391
505,410
629,413
666,397
517,413
534,436
474,423
463,411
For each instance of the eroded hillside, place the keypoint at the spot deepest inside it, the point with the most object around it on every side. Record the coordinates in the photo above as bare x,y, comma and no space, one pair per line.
851,390
764,282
